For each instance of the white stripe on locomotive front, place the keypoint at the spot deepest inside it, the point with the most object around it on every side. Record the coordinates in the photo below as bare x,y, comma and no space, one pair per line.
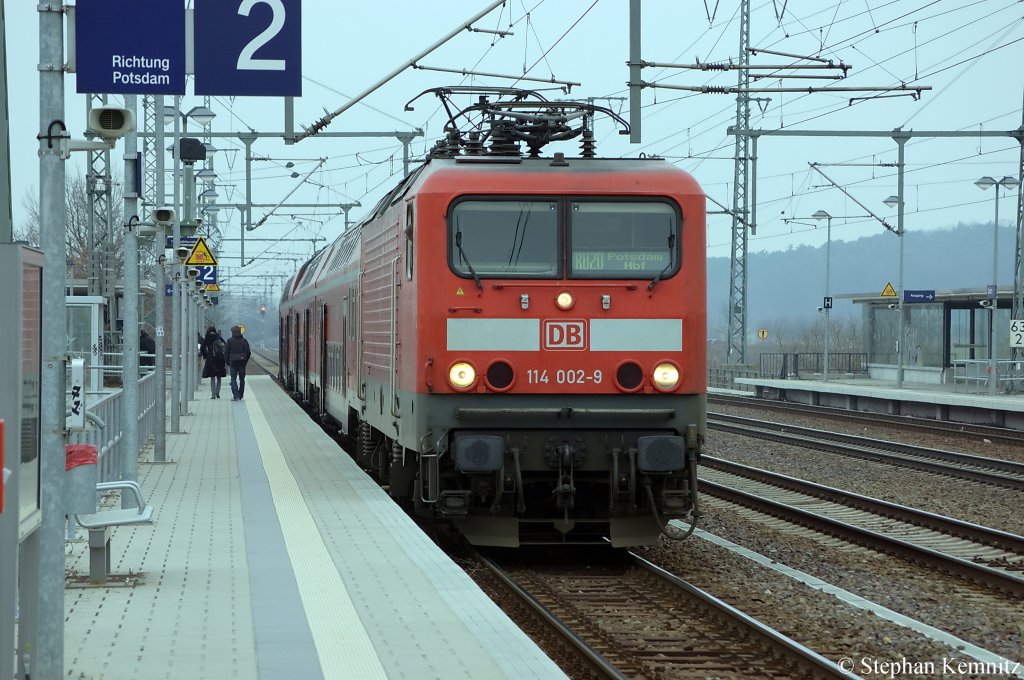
606,335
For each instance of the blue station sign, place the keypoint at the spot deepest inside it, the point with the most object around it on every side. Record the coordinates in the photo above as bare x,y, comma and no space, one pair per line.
130,47
919,296
248,48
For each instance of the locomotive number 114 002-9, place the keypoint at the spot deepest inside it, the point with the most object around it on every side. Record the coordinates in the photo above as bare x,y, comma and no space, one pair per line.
563,376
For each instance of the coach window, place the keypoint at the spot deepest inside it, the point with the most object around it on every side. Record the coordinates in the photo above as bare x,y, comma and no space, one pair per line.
503,238
623,240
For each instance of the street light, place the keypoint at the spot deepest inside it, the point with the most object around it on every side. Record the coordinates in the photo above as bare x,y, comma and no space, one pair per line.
206,175
1009,183
823,215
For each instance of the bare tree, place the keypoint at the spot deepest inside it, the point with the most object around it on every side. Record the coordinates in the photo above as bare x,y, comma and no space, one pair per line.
76,245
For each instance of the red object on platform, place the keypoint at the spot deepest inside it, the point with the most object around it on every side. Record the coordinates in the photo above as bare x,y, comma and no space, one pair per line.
79,454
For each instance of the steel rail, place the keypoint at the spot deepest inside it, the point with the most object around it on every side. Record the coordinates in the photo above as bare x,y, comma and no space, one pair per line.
979,573
908,422
1003,540
592,656
931,460
818,663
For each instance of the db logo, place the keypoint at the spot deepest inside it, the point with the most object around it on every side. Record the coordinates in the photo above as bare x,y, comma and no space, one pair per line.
562,335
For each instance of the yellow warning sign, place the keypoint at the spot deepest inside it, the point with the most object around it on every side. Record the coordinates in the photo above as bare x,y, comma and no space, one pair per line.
459,292
201,255
761,332
212,288
889,291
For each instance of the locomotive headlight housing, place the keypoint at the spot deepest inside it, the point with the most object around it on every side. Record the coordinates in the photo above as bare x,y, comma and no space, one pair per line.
665,376
462,375
565,300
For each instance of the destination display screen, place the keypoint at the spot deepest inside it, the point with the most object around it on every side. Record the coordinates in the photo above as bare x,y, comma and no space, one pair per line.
628,261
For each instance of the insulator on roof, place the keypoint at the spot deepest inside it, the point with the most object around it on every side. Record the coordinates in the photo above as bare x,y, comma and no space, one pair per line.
474,147
587,145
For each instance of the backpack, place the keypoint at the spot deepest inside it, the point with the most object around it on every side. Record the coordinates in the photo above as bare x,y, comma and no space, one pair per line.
218,349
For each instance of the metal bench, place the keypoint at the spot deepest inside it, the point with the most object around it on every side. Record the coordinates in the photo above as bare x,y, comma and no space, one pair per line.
99,524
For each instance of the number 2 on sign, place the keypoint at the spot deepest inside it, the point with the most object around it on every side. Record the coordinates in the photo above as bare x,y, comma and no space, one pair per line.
246,62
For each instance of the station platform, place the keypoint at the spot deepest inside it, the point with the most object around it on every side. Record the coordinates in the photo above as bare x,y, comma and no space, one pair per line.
923,400
271,555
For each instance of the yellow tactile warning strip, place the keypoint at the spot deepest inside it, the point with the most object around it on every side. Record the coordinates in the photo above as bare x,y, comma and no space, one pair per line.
343,647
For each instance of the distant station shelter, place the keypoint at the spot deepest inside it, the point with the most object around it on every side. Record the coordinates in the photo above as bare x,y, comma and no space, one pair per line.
946,336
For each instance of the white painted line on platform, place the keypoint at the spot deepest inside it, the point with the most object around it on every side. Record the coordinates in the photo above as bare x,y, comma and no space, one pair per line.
343,646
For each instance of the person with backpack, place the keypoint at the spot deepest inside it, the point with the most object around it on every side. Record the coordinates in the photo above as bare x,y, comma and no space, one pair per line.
237,352
215,365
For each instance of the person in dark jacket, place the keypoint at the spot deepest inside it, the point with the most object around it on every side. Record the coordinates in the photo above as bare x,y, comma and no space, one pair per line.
238,353
147,346
215,366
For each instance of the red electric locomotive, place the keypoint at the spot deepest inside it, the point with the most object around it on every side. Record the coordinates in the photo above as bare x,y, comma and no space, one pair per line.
517,343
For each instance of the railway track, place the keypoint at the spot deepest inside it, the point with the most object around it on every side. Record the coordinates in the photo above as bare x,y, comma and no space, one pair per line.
980,554
266,360
993,471
626,617
936,427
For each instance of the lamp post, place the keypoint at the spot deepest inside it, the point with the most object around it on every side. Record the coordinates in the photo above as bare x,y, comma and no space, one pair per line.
1009,183
827,302
182,358
897,202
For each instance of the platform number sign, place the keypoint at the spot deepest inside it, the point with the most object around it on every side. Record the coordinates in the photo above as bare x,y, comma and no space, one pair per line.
207,274
1017,333
248,47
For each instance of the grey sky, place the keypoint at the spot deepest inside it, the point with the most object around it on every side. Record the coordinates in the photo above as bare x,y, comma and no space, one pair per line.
970,53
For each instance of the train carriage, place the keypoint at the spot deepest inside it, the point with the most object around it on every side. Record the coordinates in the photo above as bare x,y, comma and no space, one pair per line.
517,344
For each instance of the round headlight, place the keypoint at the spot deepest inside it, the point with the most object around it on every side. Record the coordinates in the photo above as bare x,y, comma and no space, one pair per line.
565,300
665,376
461,375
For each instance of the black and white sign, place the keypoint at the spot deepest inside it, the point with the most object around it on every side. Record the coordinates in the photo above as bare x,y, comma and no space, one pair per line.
1017,333
130,47
248,47
207,274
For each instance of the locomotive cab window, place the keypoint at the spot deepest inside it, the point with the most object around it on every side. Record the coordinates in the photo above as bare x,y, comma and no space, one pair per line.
511,238
623,240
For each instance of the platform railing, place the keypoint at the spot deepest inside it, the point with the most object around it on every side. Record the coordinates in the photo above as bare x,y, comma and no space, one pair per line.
811,364
107,432
972,376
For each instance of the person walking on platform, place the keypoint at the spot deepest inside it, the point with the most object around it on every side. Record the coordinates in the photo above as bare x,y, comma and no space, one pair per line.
215,365
147,348
238,353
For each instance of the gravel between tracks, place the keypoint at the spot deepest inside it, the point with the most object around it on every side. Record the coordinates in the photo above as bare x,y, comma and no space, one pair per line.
970,501
818,620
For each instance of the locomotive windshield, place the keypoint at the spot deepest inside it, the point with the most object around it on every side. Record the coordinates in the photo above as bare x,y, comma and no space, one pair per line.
604,239
619,240
505,238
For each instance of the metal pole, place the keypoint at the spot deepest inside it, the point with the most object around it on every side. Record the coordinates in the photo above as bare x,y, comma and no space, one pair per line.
246,215
188,344
175,288
45,640
323,122
8,529
993,366
130,318
159,364
183,340
635,76
828,267
901,139
6,219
